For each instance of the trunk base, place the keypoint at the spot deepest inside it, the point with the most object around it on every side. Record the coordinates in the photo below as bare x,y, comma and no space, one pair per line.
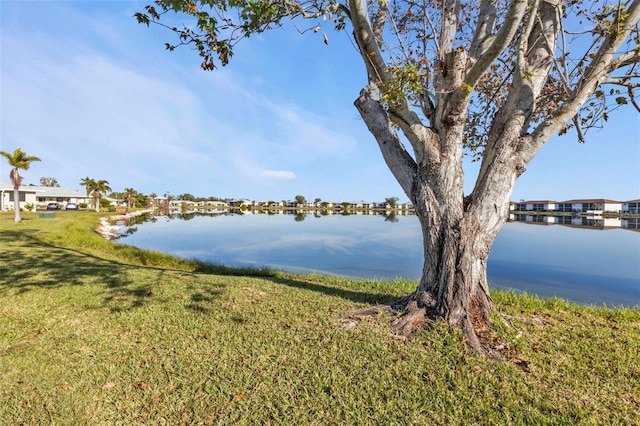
410,316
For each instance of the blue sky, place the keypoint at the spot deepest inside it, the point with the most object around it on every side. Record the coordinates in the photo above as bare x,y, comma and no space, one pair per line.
93,93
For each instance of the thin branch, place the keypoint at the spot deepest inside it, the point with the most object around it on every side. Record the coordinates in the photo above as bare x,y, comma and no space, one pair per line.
601,64
632,98
502,39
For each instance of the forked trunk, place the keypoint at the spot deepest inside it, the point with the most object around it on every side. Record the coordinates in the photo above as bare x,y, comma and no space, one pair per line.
457,232
454,280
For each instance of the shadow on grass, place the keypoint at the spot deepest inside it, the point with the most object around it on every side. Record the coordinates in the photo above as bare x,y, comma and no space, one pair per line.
352,295
27,263
299,282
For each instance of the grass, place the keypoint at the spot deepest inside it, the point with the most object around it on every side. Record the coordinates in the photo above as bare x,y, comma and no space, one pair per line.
92,332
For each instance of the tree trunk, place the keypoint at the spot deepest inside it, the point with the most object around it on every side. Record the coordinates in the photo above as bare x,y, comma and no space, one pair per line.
16,205
457,232
454,284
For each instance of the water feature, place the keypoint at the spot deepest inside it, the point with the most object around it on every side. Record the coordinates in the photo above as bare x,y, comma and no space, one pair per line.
585,261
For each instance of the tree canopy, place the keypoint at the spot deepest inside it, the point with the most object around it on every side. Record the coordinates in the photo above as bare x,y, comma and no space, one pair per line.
49,181
95,188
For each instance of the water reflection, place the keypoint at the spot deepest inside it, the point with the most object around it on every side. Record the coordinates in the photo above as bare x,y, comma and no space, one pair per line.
530,254
580,221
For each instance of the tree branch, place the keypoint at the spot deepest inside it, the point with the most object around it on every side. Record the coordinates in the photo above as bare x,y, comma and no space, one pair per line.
401,164
498,44
483,36
602,63
421,137
366,40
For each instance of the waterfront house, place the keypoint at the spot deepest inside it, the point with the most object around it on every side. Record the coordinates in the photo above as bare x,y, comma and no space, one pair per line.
40,196
593,205
632,206
239,203
534,206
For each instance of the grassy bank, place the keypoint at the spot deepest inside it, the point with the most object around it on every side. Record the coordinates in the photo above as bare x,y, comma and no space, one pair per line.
92,332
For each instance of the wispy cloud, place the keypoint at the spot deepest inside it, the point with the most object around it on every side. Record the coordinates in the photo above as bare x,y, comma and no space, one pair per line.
278,174
99,97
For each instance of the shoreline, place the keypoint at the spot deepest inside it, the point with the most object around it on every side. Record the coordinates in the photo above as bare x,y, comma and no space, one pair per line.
108,231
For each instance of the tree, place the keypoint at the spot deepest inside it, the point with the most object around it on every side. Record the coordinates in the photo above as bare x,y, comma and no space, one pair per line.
493,80
18,160
300,199
49,181
129,195
391,202
95,188
151,200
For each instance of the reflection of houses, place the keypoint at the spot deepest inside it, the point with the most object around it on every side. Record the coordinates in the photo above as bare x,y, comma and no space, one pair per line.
572,221
632,223
40,196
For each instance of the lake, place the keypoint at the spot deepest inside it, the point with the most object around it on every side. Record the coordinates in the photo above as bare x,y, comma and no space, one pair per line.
582,260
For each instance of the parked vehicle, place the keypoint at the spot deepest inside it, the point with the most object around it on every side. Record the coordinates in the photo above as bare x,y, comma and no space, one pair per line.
71,206
53,206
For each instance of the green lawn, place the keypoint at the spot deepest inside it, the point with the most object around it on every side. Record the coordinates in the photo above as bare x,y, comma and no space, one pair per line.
96,333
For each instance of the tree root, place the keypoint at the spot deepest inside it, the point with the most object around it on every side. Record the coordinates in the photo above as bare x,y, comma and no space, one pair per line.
409,317
413,319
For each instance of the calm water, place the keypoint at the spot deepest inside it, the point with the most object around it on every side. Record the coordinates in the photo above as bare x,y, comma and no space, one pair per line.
584,265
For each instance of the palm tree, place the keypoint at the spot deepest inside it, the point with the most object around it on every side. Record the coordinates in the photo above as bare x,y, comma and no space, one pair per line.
96,189
151,199
18,160
129,193
101,187
89,184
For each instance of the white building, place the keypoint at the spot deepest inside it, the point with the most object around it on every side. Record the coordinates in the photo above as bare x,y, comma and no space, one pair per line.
632,206
40,196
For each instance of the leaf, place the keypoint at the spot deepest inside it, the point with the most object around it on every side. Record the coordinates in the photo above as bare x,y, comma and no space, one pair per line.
326,39
238,397
621,100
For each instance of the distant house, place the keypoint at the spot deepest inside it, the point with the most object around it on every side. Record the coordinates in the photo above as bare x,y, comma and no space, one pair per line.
239,203
571,206
216,203
632,206
534,206
115,202
596,204
40,196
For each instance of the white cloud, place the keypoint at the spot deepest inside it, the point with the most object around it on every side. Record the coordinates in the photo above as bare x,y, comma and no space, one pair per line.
278,174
